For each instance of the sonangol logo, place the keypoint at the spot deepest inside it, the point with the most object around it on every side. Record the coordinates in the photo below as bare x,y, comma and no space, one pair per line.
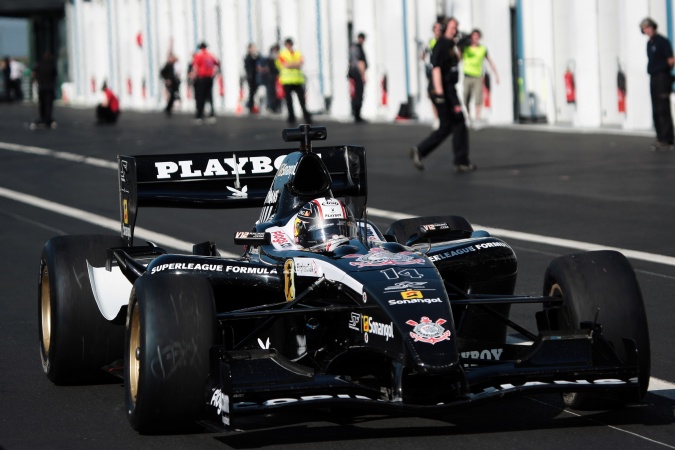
428,331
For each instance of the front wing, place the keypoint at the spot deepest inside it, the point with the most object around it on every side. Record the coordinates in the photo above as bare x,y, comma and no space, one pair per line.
252,382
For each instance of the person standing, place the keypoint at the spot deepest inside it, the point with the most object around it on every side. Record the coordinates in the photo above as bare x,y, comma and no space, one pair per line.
473,56
204,66
251,67
44,74
7,81
445,74
292,79
659,66
271,78
16,69
171,82
357,75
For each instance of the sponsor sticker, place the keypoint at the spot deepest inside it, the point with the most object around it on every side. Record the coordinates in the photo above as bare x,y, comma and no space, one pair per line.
242,193
355,321
289,280
306,268
435,226
408,295
405,285
125,211
188,266
371,326
413,301
218,167
381,257
222,404
427,331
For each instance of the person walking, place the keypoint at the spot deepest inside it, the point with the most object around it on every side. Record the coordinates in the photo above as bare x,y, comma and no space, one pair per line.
204,67
659,66
426,57
473,57
171,82
252,67
292,79
357,76
445,74
44,74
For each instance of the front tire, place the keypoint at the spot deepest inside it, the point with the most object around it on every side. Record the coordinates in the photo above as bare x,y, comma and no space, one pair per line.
76,341
602,280
171,326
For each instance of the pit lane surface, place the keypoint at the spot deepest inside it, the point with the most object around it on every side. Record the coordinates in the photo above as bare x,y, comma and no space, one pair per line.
585,188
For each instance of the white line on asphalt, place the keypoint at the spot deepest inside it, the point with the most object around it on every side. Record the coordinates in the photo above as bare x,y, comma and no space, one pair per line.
656,386
591,419
103,222
528,237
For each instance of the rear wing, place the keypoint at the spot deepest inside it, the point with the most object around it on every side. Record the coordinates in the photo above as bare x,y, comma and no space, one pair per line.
239,179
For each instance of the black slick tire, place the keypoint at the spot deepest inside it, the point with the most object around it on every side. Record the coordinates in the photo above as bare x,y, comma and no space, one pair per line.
171,326
76,341
602,280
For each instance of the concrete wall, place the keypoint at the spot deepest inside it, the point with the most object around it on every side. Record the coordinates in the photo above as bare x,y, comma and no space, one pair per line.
125,42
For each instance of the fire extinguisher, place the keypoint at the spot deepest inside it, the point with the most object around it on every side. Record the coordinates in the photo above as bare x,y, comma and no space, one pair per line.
621,90
570,90
486,90
221,86
383,87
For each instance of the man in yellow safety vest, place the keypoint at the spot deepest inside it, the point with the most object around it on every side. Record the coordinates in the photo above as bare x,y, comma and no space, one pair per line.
292,79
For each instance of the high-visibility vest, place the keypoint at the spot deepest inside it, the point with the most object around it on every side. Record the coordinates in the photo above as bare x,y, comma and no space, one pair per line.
473,60
286,75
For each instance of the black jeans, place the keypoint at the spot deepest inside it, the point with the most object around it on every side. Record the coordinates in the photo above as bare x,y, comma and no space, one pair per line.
357,99
46,100
451,122
660,87
299,90
172,94
203,94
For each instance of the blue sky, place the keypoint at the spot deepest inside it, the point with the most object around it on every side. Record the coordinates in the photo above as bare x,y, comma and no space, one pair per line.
13,37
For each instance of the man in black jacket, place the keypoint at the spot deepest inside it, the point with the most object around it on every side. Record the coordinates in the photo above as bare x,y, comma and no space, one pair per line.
444,75
44,74
659,66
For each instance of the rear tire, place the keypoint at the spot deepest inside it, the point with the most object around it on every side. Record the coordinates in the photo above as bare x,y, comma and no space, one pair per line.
403,229
604,280
171,326
76,341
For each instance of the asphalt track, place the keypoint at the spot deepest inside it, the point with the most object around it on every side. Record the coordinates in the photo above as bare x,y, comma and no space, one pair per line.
545,192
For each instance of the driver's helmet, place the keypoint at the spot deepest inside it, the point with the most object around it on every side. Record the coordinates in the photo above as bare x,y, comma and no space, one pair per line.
323,224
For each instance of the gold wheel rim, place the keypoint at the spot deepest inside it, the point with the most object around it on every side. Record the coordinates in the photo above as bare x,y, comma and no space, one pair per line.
134,363
45,312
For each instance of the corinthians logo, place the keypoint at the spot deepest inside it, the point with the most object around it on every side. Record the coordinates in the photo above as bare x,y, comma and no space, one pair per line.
428,331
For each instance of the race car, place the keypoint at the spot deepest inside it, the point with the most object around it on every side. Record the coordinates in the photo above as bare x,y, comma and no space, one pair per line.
322,308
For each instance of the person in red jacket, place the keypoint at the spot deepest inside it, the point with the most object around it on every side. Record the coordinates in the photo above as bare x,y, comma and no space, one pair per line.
204,67
108,110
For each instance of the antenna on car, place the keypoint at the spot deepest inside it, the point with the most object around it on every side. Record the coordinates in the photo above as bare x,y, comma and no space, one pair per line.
304,134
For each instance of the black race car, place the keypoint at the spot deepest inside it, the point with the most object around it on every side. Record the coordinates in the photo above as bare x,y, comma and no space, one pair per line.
322,308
